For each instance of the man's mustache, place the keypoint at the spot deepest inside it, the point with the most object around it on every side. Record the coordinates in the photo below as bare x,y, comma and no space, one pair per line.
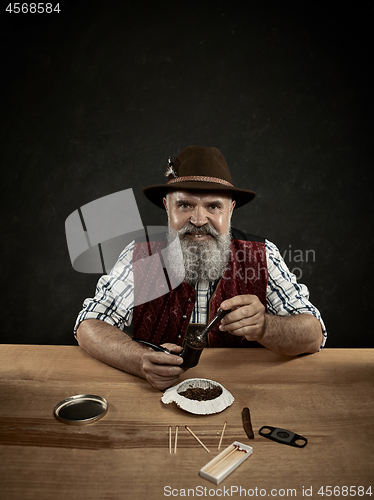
192,229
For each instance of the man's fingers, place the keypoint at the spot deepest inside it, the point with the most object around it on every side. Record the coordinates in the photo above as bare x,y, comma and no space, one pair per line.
162,383
238,301
174,348
243,316
238,315
161,358
162,370
247,317
244,325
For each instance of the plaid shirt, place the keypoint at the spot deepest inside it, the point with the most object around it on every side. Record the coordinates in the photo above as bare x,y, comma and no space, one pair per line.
114,297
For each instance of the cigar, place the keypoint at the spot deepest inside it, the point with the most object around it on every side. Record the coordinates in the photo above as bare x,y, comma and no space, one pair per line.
247,426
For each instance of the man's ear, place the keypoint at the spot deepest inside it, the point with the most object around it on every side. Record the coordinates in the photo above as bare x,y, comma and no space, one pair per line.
165,204
233,203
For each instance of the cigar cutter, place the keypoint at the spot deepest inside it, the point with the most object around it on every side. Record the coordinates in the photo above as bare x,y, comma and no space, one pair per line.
283,436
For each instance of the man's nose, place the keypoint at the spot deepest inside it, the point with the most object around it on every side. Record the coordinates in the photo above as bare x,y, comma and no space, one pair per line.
198,218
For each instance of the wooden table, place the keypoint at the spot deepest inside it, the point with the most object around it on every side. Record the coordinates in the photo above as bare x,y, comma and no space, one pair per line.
327,397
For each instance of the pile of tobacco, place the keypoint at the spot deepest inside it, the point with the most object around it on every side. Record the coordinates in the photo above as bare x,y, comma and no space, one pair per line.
192,340
200,394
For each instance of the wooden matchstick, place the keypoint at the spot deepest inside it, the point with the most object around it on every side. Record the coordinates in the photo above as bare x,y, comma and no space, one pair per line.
219,458
225,462
169,438
197,439
176,438
223,430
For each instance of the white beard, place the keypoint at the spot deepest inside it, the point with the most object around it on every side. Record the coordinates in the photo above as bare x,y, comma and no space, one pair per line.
202,260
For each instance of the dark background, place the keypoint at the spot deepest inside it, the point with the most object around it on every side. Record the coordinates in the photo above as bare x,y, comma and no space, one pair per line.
95,99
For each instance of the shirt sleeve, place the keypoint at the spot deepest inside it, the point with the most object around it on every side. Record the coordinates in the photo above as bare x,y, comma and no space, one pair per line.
284,295
114,297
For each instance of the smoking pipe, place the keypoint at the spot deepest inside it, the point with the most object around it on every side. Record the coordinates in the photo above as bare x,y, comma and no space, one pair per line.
193,345
217,318
155,347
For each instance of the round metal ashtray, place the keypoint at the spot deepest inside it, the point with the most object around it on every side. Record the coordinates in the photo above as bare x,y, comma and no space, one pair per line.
82,409
202,407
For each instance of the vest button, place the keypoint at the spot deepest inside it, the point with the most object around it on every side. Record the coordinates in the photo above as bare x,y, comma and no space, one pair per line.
189,299
184,316
179,336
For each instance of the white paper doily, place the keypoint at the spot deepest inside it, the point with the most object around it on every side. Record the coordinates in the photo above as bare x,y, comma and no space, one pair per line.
198,407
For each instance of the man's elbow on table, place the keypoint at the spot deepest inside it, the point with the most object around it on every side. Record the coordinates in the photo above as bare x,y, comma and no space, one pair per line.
100,339
88,336
111,345
315,336
85,331
292,335
317,328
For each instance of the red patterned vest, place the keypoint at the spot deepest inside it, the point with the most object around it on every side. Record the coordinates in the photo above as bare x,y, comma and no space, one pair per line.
167,317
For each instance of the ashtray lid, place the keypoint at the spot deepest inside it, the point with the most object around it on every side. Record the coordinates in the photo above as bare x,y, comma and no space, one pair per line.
81,409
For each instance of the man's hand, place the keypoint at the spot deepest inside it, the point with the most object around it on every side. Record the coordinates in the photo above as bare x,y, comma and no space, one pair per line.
288,335
112,346
160,369
247,317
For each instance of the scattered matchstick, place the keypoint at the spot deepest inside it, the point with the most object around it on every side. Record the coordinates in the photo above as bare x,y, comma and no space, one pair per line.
169,438
197,439
223,431
176,438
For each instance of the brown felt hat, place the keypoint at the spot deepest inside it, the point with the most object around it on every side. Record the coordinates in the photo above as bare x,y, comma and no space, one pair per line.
202,169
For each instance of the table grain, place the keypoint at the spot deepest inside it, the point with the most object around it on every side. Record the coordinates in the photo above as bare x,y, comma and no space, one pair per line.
328,397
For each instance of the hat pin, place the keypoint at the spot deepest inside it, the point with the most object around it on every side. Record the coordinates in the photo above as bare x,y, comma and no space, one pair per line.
170,169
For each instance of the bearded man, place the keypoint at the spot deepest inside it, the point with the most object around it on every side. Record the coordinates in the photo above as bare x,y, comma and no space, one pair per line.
222,268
